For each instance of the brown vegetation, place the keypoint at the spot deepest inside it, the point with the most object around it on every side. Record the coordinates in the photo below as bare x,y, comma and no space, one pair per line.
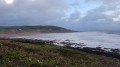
30,53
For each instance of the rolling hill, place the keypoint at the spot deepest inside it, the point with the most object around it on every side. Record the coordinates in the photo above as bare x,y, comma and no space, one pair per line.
33,28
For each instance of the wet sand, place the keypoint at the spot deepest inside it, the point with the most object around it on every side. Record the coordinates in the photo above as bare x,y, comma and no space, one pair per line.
9,34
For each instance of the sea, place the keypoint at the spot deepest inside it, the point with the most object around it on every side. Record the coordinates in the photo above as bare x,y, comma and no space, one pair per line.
90,39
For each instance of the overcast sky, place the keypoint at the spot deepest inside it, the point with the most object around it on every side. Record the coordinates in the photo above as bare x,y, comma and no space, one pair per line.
82,15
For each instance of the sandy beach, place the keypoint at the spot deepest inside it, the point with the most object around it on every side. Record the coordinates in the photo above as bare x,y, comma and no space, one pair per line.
13,34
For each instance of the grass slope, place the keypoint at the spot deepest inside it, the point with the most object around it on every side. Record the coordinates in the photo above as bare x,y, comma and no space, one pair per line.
34,28
30,53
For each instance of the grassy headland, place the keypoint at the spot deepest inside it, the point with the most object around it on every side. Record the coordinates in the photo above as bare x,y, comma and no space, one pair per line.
31,53
11,31
46,29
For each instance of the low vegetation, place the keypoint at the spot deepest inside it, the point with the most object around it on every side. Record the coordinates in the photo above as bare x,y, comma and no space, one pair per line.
31,53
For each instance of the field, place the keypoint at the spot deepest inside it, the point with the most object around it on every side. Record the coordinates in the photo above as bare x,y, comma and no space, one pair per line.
32,53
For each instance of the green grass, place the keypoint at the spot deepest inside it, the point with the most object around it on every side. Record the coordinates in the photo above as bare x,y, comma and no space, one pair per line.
31,53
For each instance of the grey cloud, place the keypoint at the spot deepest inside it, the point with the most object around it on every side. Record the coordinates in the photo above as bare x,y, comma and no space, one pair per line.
74,16
76,4
25,12
96,20
49,12
105,1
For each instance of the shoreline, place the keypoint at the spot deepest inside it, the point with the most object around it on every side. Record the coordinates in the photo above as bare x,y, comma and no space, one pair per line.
23,33
14,34
115,53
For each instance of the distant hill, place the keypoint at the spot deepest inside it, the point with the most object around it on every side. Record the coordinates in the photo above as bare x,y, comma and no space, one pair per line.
34,28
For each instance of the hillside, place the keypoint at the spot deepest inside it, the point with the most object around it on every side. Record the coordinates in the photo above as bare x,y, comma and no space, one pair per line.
33,29
31,53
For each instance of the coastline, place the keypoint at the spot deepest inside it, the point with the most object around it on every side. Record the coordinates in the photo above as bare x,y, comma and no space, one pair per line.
23,33
115,53
13,34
